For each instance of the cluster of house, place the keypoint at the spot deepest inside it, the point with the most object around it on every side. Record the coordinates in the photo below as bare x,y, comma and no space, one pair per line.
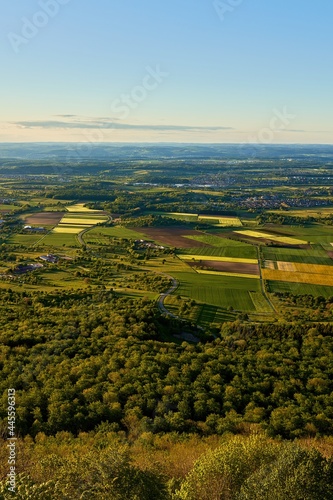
147,244
49,258
34,229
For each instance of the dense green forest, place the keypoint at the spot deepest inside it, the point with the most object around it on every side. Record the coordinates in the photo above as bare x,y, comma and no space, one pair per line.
79,359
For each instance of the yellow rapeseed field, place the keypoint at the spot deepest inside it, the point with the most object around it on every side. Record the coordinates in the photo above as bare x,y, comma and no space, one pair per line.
299,277
281,239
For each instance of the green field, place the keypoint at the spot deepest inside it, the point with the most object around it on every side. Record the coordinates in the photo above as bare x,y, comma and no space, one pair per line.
218,259
222,291
60,239
24,239
113,232
300,288
217,241
242,251
315,233
316,255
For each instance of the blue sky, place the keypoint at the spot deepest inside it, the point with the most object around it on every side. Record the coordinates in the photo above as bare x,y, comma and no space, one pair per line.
181,70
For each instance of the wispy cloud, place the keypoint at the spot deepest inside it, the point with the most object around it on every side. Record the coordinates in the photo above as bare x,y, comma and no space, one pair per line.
75,122
301,131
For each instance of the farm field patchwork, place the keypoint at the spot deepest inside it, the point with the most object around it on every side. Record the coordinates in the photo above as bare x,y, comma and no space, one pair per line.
220,221
216,220
268,236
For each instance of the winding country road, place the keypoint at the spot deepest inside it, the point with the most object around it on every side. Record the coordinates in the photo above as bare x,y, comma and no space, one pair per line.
162,297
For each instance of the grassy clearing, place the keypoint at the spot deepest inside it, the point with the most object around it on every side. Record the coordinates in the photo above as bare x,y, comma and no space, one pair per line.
297,277
304,289
221,291
218,259
280,239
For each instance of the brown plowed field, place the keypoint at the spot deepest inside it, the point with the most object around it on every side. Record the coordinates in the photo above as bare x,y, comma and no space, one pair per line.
172,236
228,267
45,218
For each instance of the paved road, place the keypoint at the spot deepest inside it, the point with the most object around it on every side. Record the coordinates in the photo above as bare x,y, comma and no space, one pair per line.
162,297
